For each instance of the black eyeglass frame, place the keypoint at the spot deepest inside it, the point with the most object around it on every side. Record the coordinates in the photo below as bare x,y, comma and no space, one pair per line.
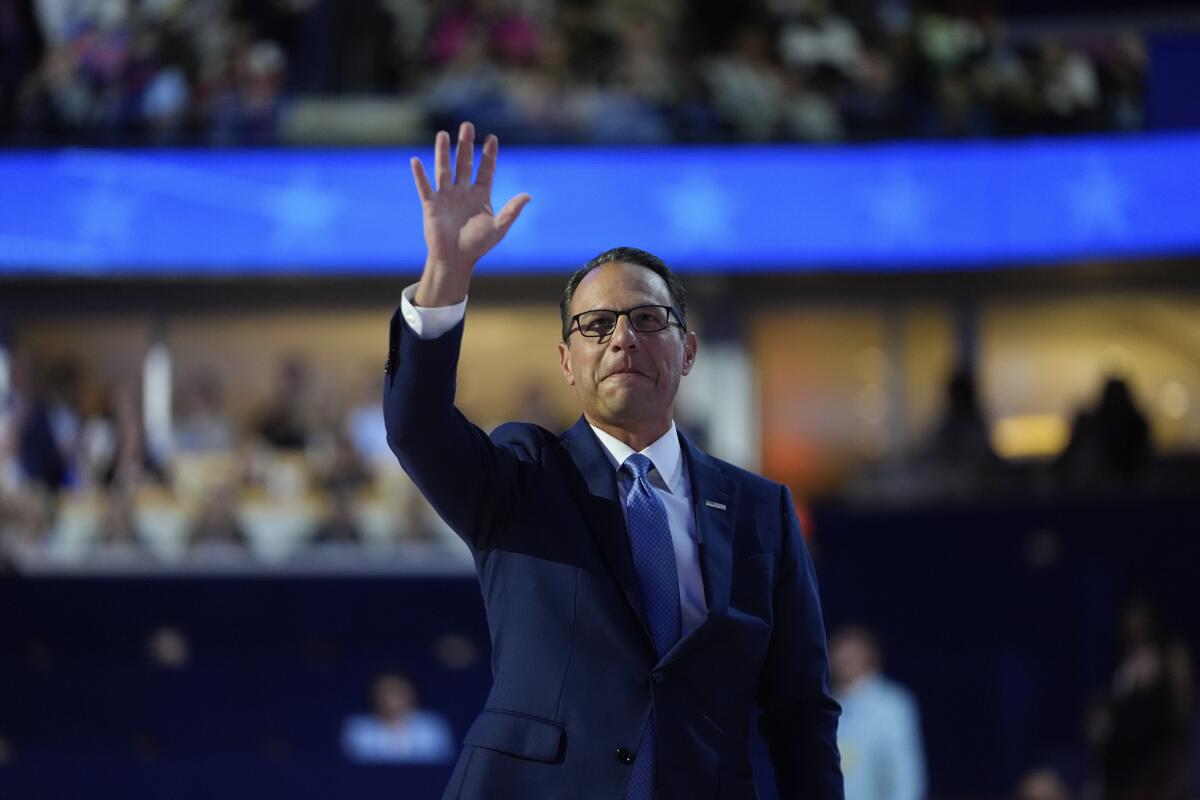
574,325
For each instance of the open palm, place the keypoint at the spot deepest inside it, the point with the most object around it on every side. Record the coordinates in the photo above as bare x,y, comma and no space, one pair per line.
460,226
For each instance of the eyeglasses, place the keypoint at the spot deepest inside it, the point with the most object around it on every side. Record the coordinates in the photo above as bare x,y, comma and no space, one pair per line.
601,322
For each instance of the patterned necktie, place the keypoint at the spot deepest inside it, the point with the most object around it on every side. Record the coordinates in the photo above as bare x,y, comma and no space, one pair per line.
654,563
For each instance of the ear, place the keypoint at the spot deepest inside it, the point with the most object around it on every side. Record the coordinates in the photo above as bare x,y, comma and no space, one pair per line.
690,345
564,359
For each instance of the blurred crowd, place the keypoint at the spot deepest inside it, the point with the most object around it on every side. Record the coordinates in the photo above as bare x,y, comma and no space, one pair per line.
96,468
231,71
90,474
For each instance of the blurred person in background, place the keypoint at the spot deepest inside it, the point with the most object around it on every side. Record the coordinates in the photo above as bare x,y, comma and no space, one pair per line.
50,423
285,422
879,733
341,468
130,462
958,457
203,425
1140,731
247,104
397,730
1110,443
339,527
1043,784
587,544
747,86
364,423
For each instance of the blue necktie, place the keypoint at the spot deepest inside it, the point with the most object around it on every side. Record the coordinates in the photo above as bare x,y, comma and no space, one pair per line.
654,563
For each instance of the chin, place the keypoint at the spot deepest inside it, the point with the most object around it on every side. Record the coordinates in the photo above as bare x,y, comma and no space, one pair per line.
625,413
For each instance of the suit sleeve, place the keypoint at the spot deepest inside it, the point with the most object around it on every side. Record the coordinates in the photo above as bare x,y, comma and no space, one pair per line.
799,715
468,479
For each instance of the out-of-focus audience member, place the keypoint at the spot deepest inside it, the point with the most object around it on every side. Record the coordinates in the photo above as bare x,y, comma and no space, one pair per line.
130,462
202,424
1140,731
961,440
284,423
746,86
50,426
340,526
1042,784
343,469
879,732
1110,442
364,422
216,526
397,730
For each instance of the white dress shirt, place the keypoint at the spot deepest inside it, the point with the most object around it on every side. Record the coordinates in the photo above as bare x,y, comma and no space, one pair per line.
669,478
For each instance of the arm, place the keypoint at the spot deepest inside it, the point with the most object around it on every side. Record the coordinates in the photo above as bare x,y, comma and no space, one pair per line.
799,716
466,477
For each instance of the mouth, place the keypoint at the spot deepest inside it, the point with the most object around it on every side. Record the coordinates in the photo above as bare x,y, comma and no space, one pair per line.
625,371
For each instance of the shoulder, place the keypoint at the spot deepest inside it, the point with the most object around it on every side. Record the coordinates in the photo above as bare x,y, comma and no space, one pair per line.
898,697
526,440
429,721
748,485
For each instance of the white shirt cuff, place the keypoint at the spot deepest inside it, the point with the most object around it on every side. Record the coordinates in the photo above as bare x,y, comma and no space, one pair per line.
430,323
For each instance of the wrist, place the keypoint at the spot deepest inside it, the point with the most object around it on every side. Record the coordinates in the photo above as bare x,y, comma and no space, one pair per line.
442,284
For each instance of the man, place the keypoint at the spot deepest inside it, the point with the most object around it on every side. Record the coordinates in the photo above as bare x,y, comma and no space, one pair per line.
397,730
879,734
642,596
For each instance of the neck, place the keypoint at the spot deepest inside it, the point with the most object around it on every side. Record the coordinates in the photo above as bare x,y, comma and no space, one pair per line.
638,436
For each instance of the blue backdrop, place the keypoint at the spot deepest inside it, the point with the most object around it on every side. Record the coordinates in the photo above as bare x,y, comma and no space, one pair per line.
894,206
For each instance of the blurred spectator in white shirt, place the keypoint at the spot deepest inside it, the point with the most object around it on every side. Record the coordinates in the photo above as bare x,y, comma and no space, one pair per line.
879,733
396,730
203,425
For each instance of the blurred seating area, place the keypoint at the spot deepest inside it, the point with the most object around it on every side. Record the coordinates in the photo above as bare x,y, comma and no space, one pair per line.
107,474
91,481
231,72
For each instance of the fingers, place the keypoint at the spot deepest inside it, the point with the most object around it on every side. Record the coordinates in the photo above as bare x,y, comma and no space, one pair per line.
441,159
465,157
422,180
487,167
512,209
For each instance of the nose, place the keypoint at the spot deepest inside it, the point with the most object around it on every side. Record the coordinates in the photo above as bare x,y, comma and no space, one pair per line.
624,337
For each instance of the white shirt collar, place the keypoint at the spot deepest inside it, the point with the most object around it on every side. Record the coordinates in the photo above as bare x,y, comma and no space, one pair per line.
665,452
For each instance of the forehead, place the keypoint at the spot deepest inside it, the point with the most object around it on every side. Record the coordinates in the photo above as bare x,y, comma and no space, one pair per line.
620,285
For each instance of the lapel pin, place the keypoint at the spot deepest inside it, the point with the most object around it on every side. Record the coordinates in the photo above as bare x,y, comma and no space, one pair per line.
714,504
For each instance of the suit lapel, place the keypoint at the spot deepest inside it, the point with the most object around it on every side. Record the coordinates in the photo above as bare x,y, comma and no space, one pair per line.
601,505
713,500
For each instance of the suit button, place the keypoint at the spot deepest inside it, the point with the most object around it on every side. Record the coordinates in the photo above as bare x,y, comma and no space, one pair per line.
658,676
625,755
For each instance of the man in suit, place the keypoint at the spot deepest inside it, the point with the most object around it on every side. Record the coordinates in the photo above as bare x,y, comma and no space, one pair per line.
642,596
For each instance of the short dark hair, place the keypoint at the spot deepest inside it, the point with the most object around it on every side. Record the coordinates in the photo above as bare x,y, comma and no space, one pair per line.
626,255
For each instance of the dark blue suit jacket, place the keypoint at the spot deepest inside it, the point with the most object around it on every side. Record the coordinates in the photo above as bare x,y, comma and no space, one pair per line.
575,671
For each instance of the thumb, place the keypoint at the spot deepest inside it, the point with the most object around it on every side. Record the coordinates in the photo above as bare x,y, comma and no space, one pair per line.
512,209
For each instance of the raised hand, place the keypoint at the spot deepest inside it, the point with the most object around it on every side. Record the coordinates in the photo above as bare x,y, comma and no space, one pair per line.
460,226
